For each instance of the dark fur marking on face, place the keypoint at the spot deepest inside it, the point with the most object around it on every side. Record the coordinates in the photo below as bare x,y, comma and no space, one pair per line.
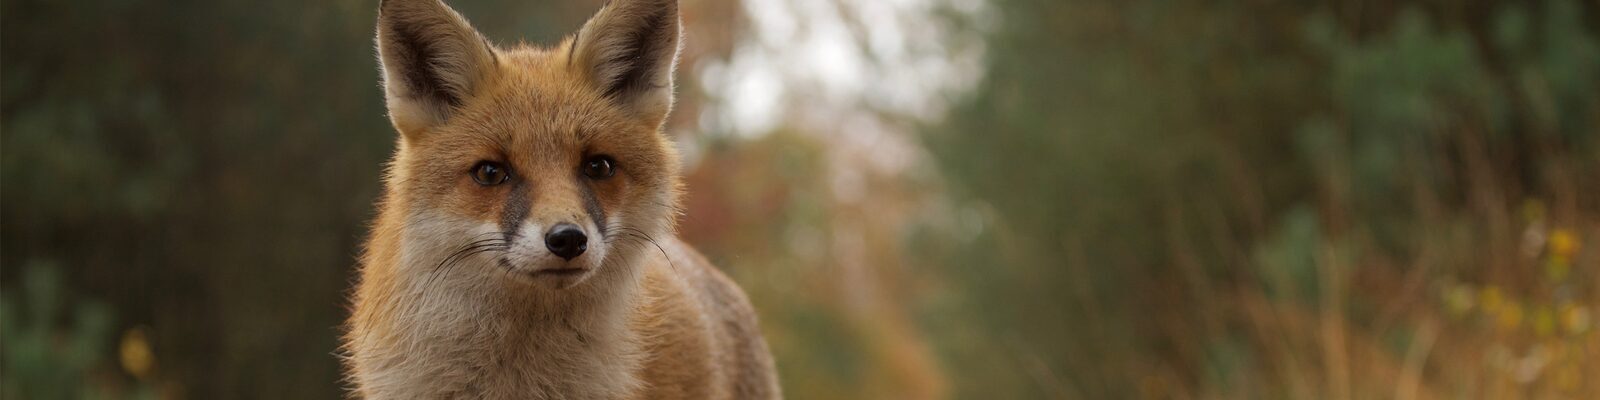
516,209
591,204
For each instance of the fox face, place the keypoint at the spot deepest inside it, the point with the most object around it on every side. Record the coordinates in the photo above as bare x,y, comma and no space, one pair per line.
544,166
524,244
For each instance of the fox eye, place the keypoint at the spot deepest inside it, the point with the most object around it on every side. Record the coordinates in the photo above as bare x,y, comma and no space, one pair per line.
599,167
489,173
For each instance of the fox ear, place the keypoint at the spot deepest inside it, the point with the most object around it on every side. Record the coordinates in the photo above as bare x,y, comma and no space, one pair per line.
432,62
628,52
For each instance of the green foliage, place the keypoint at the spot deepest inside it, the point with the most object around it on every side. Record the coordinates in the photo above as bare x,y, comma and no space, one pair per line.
55,345
1155,170
1287,262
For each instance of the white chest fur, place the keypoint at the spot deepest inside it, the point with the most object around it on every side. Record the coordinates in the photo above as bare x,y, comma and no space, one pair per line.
467,336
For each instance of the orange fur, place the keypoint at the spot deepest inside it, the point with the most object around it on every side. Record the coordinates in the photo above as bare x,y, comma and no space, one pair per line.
440,314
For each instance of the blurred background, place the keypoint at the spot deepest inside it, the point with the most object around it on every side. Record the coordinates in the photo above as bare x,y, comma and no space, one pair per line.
924,199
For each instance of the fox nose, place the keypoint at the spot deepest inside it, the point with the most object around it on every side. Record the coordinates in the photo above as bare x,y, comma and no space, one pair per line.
566,241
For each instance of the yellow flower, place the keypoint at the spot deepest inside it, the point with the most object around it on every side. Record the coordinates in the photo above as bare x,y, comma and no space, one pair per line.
1544,322
137,359
1490,299
1575,318
1567,377
1458,300
1556,268
1510,316
1563,244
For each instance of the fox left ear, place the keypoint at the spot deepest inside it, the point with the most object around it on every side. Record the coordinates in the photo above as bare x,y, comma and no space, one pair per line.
628,51
433,61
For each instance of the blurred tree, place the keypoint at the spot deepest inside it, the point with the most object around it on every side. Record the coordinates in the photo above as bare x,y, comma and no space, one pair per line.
1149,170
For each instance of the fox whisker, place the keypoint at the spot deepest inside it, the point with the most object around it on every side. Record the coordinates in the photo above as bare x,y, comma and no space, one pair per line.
469,249
636,234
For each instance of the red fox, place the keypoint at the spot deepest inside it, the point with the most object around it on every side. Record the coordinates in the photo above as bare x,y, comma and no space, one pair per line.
524,246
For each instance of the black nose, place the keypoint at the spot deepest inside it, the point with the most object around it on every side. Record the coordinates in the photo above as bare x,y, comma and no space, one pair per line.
566,241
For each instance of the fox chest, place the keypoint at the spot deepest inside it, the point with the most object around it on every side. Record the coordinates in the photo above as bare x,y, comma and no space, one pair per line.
496,363
552,375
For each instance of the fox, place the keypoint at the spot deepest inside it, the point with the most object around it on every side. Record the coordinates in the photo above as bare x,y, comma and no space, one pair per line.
524,245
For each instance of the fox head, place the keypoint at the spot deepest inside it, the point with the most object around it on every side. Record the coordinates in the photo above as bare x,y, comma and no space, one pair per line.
542,166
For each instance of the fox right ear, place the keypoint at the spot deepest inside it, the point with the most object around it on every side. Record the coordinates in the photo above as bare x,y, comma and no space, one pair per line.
433,61
628,52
